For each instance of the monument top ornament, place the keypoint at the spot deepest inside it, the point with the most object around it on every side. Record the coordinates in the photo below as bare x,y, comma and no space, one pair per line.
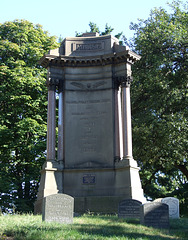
89,49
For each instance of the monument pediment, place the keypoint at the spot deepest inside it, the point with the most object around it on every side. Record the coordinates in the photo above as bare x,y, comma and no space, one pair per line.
84,51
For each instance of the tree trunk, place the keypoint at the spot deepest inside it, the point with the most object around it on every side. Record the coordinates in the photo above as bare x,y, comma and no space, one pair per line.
182,168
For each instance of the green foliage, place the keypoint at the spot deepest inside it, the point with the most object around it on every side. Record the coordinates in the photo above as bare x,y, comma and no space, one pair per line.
93,27
108,30
159,100
23,104
87,227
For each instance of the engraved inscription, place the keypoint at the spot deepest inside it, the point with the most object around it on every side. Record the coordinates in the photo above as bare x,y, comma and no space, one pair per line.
89,179
129,208
155,214
90,47
58,208
88,128
88,138
88,119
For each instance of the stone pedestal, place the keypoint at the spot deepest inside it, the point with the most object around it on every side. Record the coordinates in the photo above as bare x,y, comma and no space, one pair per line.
94,152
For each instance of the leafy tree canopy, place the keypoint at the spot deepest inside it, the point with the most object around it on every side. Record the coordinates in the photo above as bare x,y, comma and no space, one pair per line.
23,110
159,99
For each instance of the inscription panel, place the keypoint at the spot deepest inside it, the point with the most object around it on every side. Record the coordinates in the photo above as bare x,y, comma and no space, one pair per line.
89,179
90,47
88,129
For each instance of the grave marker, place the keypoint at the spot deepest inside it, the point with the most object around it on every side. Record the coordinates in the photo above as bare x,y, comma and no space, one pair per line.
129,208
173,204
155,215
58,208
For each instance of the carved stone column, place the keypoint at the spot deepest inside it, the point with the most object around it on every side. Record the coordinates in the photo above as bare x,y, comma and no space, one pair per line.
116,113
51,181
60,128
126,117
51,122
120,124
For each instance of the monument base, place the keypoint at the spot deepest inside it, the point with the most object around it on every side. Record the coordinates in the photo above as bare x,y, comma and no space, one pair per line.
102,205
50,182
96,190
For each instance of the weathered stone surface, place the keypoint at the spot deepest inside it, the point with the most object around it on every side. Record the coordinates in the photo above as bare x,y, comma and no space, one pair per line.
58,208
173,204
92,75
89,129
129,208
88,46
97,204
155,215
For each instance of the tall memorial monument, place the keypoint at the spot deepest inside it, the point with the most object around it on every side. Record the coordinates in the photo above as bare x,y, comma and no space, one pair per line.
92,161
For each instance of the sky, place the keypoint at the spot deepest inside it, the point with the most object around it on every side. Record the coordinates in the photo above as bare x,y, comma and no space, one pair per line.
65,17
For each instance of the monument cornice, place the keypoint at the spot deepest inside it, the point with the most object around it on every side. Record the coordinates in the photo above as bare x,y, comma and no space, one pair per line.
126,56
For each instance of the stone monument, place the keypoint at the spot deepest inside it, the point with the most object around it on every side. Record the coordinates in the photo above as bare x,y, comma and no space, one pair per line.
91,77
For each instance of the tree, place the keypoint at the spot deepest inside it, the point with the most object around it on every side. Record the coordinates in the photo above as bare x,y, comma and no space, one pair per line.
159,99
108,30
23,104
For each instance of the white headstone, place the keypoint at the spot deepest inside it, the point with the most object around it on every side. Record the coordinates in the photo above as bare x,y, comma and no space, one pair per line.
173,204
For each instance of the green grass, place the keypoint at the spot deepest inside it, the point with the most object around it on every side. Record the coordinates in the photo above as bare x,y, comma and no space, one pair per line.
30,227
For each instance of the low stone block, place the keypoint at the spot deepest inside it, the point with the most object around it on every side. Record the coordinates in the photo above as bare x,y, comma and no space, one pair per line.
58,208
155,215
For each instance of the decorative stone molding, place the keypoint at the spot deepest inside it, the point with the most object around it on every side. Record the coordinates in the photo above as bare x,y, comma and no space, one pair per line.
52,83
54,79
66,61
124,81
88,86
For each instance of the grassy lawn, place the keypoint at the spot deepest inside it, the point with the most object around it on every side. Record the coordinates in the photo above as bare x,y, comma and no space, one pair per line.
87,227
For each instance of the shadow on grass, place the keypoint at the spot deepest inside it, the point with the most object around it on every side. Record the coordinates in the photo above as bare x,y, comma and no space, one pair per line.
178,227
113,228
115,218
117,231
83,230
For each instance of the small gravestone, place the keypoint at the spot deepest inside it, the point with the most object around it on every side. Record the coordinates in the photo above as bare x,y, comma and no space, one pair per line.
129,208
155,215
173,204
58,208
